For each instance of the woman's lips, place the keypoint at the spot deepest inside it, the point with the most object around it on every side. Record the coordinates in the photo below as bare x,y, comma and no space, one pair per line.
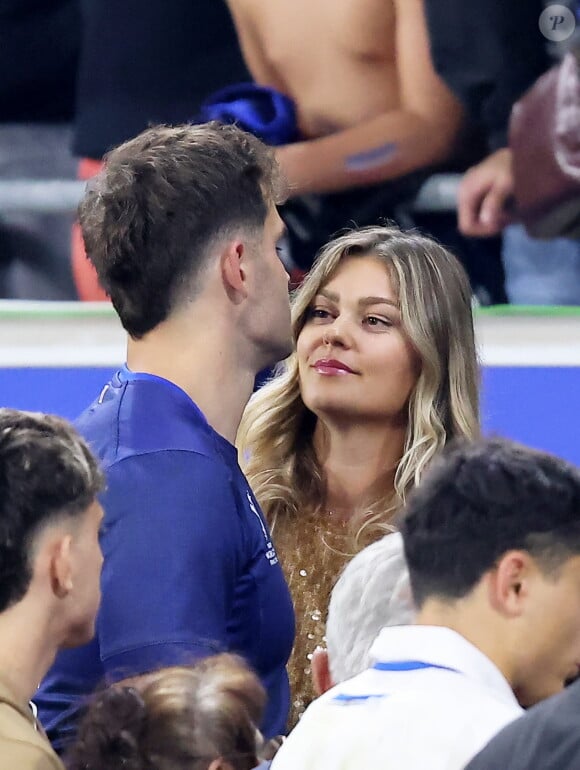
331,366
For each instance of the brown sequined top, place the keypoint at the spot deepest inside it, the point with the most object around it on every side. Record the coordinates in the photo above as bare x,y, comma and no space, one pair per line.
313,552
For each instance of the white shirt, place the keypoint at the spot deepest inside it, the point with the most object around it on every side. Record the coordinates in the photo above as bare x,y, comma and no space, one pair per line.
425,718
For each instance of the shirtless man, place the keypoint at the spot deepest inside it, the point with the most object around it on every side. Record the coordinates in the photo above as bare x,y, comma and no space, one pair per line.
369,104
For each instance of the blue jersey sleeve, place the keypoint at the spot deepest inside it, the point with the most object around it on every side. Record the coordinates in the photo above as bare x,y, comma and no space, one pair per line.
172,544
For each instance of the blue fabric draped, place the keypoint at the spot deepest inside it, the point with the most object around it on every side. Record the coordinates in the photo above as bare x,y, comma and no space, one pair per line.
262,111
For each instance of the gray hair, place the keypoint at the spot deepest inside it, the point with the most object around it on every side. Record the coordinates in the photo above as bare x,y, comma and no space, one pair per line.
372,592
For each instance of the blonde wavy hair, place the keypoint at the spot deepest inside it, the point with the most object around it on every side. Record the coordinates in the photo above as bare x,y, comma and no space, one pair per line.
275,435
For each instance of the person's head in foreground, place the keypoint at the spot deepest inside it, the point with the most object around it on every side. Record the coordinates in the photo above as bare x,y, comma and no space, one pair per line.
50,566
50,558
182,220
201,717
492,542
373,592
385,348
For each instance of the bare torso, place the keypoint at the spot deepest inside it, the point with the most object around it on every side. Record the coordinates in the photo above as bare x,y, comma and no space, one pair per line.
334,58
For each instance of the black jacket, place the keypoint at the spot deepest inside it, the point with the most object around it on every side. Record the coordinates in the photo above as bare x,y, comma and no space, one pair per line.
39,50
488,52
149,61
547,737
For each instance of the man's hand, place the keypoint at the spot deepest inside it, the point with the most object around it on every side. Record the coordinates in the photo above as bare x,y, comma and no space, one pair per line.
484,195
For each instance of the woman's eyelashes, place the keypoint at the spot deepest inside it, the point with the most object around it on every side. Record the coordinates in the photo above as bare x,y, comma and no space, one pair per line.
377,321
322,314
318,314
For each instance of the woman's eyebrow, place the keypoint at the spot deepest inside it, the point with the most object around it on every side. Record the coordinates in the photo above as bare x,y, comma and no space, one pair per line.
363,302
329,295
377,301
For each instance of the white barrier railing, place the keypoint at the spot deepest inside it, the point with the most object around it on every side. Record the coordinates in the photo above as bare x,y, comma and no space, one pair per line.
53,196
57,334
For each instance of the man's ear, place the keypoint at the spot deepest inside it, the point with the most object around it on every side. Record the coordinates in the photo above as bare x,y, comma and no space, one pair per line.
233,269
60,565
321,678
509,582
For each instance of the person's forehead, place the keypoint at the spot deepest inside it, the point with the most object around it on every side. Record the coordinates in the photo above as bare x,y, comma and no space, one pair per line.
363,275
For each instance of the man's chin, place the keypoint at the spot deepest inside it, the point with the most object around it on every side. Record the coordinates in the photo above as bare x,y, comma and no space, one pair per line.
537,697
278,353
78,637
572,678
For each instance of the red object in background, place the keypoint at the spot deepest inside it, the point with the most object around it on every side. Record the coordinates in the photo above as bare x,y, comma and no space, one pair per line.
84,275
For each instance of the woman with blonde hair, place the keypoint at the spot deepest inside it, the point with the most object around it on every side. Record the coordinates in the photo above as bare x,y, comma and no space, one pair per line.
199,717
384,374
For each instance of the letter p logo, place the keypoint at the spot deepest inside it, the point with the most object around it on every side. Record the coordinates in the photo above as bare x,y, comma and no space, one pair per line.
557,23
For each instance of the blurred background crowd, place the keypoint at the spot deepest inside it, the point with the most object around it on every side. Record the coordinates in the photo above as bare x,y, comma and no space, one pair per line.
366,106
328,567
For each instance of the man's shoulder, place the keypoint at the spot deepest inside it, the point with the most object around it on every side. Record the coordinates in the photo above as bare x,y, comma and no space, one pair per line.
22,755
413,727
131,419
21,746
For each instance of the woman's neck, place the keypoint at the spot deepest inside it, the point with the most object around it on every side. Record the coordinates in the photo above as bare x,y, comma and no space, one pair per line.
359,462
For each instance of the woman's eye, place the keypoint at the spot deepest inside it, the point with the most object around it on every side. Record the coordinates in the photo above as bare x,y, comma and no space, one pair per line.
318,313
373,320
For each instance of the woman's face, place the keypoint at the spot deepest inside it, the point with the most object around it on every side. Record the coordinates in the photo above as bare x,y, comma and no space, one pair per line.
354,358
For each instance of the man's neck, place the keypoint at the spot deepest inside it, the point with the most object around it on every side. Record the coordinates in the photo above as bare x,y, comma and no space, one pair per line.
359,461
26,653
203,363
478,624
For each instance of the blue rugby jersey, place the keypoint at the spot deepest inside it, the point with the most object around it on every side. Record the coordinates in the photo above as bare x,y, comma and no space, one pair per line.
189,567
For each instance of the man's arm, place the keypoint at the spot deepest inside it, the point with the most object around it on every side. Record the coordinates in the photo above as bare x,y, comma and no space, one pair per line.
419,133
172,549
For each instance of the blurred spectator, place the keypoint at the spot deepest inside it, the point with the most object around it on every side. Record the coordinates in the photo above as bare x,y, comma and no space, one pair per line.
547,737
374,120
144,63
372,593
39,50
149,62
489,59
492,543
50,563
202,717
390,113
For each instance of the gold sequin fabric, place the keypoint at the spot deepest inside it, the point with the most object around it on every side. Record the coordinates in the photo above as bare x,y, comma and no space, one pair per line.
313,552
